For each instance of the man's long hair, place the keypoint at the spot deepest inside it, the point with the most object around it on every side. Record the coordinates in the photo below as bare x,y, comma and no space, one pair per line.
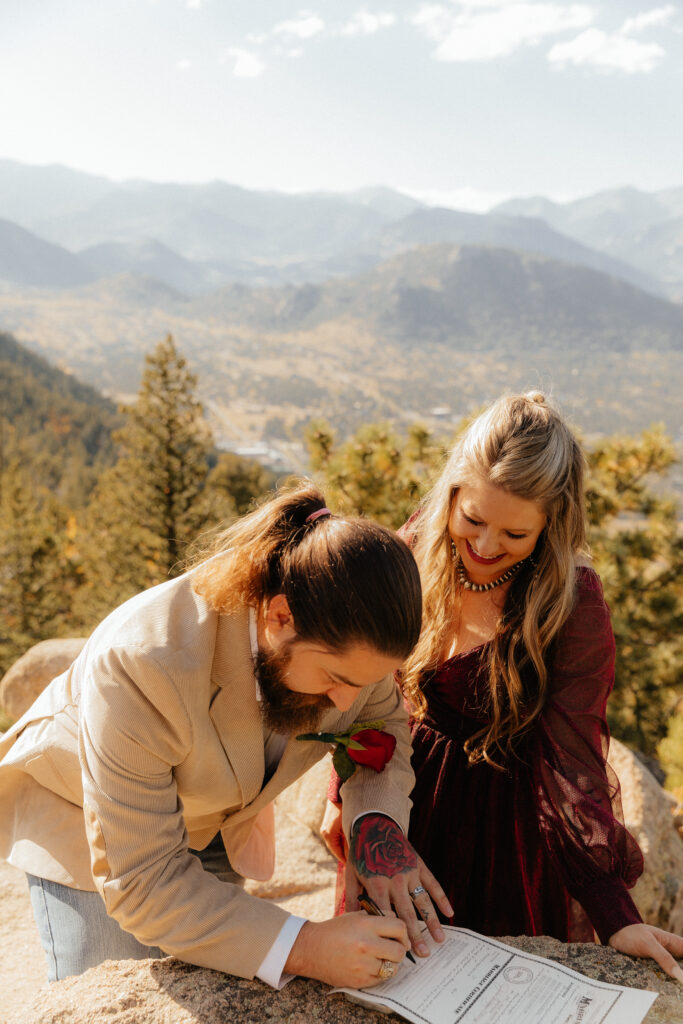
347,581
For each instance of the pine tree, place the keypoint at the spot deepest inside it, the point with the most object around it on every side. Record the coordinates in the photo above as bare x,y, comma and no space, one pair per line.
231,489
375,473
144,511
670,751
38,564
637,548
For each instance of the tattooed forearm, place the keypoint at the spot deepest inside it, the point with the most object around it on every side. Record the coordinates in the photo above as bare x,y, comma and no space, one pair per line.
378,847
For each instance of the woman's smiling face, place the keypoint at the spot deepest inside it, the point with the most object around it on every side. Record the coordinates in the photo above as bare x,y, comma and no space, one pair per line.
492,529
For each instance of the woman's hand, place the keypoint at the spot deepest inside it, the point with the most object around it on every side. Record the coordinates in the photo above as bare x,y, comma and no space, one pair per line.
390,871
348,950
331,830
646,940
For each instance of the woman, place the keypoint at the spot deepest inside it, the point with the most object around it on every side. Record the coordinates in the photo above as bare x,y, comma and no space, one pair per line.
515,809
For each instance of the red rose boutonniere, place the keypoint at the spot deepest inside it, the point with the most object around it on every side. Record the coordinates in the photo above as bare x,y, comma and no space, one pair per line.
363,743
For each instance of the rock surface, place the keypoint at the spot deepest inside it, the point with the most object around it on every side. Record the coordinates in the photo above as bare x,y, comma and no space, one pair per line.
28,677
171,992
648,814
23,972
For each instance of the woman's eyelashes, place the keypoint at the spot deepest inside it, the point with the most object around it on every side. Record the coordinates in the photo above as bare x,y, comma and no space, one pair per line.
478,522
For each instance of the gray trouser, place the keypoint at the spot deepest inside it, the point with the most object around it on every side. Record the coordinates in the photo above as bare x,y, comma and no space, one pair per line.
76,931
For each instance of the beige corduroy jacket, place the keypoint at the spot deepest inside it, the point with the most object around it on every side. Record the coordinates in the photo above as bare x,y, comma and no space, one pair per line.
148,746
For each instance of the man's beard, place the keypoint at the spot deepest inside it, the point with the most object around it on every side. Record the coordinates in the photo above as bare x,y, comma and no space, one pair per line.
283,710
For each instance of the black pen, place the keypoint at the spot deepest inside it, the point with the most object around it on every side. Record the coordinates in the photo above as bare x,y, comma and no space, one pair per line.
370,907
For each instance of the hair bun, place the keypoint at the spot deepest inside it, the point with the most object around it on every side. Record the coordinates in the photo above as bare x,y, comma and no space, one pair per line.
536,396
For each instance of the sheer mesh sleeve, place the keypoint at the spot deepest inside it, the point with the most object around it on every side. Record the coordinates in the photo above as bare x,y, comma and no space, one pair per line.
578,793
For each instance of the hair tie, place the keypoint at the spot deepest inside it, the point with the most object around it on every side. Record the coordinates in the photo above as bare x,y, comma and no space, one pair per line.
317,514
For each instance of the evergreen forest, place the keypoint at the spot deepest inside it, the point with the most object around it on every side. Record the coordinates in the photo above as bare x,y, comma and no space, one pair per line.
98,503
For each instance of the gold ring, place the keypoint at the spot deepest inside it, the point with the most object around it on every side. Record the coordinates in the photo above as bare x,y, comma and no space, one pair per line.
387,970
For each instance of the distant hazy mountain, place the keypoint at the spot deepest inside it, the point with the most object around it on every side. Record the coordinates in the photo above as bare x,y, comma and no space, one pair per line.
212,222
151,259
30,194
385,201
29,261
522,233
197,237
641,228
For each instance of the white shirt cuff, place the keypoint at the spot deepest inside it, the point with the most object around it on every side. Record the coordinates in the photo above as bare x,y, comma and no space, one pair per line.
272,966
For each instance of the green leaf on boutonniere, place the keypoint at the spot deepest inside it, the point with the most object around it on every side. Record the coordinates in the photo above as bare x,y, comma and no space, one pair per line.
343,765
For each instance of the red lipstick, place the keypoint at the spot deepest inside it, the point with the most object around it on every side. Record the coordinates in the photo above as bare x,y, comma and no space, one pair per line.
480,559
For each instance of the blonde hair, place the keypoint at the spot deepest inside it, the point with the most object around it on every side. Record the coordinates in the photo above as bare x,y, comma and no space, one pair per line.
347,581
522,445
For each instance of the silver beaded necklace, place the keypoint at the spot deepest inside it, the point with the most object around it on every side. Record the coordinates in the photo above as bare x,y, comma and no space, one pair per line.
480,588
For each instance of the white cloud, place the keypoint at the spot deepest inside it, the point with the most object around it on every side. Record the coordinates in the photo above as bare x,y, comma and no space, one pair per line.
616,52
304,26
648,19
247,65
363,23
486,29
184,64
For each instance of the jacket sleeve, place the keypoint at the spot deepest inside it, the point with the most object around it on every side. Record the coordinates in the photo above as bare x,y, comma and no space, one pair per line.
387,791
578,794
134,731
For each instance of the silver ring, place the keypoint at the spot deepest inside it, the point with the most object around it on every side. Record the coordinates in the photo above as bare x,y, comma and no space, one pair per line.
387,970
417,891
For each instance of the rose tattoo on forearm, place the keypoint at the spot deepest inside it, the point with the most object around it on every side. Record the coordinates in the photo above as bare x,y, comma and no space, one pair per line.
378,847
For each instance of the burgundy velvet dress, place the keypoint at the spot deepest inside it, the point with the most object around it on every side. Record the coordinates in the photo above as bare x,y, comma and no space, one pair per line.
521,852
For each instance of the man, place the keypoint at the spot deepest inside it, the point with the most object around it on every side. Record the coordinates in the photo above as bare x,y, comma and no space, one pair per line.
138,788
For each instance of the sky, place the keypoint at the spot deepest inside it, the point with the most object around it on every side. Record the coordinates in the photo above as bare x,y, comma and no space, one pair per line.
459,102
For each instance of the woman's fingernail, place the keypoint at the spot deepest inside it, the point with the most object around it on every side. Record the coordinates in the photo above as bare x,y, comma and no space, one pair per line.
439,935
678,973
421,949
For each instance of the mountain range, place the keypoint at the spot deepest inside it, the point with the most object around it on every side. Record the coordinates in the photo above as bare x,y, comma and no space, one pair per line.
196,238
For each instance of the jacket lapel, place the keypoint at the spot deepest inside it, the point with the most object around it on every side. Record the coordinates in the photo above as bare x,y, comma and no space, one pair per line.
234,710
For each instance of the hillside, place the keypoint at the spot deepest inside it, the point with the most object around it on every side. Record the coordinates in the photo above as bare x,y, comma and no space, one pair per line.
28,261
441,293
57,425
438,328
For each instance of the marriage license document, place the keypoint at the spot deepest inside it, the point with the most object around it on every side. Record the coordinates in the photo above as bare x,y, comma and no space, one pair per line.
478,980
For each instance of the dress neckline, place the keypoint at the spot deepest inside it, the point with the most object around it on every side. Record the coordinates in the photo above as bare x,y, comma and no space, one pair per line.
464,654
583,572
